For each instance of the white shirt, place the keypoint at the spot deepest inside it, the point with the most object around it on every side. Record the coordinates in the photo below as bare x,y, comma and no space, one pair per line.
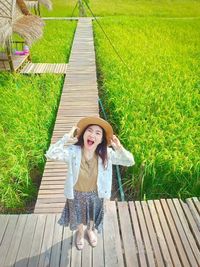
72,156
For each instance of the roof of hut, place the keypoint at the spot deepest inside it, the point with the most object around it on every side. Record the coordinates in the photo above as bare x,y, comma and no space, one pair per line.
15,17
33,3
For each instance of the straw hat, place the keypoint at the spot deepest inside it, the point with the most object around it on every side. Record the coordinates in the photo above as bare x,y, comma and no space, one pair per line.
83,123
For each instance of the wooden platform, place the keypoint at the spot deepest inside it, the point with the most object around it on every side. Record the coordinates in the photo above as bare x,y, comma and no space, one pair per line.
153,233
18,61
38,68
79,99
60,18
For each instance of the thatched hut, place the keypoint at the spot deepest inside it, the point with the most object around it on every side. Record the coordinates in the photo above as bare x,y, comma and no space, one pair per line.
35,5
16,18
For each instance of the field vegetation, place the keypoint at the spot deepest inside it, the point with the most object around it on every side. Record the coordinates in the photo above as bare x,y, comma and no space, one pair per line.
28,106
141,8
154,104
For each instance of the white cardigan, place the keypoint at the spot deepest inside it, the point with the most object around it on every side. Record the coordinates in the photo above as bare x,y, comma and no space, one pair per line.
72,156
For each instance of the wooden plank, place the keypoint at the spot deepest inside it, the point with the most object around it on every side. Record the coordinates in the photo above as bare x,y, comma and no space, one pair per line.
152,235
128,238
66,249
187,230
5,244
56,245
52,182
50,187
166,231
26,242
16,239
37,241
194,211
3,225
51,191
76,254
111,207
191,222
183,237
175,234
147,243
45,253
138,235
160,235
86,255
196,203
47,210
51,205
98,252
110,236
51,199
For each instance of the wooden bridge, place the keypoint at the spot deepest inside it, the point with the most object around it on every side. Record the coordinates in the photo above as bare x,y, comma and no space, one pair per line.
79,98
148,233
145,234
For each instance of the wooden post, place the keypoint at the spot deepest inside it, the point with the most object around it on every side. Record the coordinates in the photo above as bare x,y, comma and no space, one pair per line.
8,51
39,13
81,8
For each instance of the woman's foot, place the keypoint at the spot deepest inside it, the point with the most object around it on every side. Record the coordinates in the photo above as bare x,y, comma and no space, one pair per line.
92,238
79,240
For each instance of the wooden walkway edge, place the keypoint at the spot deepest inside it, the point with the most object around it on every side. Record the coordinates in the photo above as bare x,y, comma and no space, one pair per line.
38,68
162,233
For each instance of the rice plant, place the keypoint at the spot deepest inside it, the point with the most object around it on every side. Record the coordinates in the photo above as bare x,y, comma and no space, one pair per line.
154,106
28,106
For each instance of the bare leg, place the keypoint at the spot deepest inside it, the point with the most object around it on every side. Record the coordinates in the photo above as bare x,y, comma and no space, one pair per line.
80,237
92,235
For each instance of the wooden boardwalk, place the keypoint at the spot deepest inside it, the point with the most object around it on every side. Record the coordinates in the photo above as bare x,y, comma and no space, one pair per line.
160,233
60,18
38,68
79,99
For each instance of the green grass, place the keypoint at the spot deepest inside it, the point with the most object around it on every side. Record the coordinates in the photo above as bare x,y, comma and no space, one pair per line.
155,105
28,105
56,43
159,8
61,8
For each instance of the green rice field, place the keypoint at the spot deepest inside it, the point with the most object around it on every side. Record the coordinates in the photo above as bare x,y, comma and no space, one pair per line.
28,106
141,8
155,103
54,50
151,98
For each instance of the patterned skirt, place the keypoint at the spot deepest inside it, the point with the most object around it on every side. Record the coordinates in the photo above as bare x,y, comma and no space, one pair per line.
85,207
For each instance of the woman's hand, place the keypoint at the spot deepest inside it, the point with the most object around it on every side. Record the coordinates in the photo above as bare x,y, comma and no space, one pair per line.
115,143
73,132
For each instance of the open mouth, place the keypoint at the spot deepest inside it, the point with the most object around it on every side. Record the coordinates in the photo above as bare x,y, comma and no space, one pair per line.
90,142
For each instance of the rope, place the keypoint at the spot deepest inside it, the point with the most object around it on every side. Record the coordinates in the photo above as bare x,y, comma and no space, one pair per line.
107,37
119,179
74,9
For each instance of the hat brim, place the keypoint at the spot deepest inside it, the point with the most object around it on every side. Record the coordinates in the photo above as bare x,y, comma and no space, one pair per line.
83,123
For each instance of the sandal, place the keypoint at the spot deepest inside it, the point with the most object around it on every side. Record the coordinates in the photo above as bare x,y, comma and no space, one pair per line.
92,240
79,241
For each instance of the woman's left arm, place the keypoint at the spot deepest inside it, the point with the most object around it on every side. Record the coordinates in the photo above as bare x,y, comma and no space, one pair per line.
120,156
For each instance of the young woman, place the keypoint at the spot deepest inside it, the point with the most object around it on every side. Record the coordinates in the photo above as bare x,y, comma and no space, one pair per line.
89,176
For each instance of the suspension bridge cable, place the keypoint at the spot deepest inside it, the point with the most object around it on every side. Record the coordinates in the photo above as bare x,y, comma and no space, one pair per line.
107,37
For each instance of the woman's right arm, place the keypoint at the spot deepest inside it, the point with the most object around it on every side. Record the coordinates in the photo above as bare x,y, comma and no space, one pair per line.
56,151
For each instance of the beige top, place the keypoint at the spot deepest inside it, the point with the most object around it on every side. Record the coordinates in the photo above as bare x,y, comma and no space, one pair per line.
87,179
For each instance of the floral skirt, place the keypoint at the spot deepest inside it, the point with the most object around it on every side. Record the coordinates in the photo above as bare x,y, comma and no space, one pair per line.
85,207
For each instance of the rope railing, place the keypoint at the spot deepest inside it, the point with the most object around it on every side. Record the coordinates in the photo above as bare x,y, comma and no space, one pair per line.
119,179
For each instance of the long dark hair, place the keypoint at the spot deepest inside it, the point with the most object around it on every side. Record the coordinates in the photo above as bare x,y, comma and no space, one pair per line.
101,149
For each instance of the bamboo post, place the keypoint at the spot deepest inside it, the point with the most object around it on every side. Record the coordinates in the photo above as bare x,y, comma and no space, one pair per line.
81,8
8,51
